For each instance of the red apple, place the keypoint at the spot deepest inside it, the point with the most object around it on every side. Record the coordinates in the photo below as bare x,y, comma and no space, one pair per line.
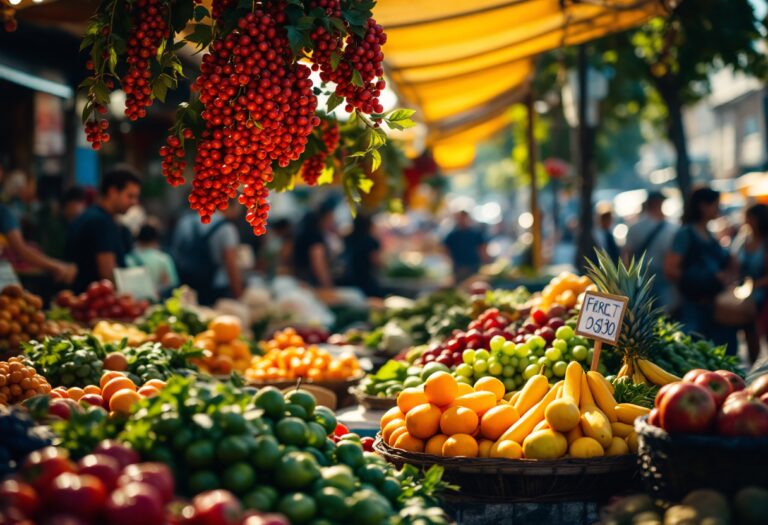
741,395
654,418
19,495
125,456
687,408
661,393
60,408
80,495
691,376
217,507
759,386
265,519
104,467
717,385
743,419
155,475
93,399
42,466
135,503
737,383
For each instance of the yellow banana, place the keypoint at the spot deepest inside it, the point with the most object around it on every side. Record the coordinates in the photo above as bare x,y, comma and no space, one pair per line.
608,384
585,396
621,430
637,376
655,374
574,434
623,371
602,395
572,385
533,391
524,426
628,412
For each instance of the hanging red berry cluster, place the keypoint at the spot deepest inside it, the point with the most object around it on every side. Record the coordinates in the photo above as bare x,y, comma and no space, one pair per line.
312,168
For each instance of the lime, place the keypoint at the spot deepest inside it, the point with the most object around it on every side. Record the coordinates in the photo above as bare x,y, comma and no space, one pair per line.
200,454
373,474
232,423
238,478
296,470
318,455
292,431
168,424
373,458
266,452
203,480
271,400
327,418
303,399
390,488
297,507
232,449
161,454
316,435
262,498
349,453
181,439
350,437
332,503
294,410
369,508
340,477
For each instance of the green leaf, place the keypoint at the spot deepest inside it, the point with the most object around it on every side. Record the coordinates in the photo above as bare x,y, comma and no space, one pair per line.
118,43
200,13
357,79
305,22
333,102
339,25
365,184
335,60
201,34
296,39
159,88
401,114
112,60
181,13
87,41
375,160
101,93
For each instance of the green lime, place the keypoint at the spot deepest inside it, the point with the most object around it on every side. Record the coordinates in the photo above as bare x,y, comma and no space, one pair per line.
262,498
168,424
182,439
332,503
232,423
266,452
340,477
271,400
203,480
292,431
327,418
390,488
319,456
297,507
303,399
239,478
294,410
350,453
350,437
316,435
161,454
373,474
375,459
232,449
369,508
200,454
296,470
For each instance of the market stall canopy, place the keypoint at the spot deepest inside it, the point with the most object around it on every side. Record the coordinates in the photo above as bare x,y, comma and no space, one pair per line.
462,63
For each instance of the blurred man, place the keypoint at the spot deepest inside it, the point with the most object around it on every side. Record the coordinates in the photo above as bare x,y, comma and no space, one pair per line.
96,242
603,233
466,245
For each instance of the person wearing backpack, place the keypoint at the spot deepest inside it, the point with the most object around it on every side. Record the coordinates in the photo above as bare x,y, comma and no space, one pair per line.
652,235
206,255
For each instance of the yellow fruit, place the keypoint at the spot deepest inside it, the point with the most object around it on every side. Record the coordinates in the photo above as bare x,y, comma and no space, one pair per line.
389,415
399,431
594,424
602,395
621,430
225,328
497,420
411,397
513,398
585,395
586,447
458,420
618,447
435,445
423,421
490,384
574,434
507,449
632,442
480,402
441,388
562,414
572,384
523,426
386,432
484,448
628,412
462,445
542,425
544,444
409,443
463,389
533,392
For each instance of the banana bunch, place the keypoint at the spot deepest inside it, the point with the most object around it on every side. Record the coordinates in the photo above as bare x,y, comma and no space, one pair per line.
644,372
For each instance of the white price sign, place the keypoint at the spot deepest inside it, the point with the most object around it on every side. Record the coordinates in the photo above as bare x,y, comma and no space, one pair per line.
601,316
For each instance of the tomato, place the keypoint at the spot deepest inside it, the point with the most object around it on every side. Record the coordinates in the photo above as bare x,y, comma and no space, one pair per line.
42,466
156,475
104,467
217,507
135,503
341,429
80,495
19,495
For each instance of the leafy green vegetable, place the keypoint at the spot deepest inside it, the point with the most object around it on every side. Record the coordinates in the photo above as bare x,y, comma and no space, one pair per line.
628,392
68,360
173,314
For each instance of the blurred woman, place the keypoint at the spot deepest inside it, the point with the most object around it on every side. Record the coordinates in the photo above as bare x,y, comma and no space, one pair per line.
362,257
311,253
701,268
752,253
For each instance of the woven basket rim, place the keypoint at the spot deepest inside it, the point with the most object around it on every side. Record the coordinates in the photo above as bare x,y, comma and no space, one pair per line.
642,427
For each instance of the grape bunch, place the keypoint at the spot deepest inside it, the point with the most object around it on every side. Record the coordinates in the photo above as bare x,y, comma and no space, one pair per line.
20,437
313,166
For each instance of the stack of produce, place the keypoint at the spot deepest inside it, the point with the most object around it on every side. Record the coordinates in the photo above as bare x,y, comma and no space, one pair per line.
115,392
224,349
21,318
287,357
21,435
564,290
172,316
19,381
271,450
110,332
101,301
577,417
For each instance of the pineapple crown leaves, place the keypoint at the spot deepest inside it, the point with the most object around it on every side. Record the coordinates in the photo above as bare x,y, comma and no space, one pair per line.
638,334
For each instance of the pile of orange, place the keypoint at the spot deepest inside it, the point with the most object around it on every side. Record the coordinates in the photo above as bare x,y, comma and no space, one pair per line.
224,350
564,290
115,392
19,381
287,357
21,318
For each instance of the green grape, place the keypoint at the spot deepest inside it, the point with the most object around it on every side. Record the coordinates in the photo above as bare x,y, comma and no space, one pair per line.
522,350
553,354
505,360
559,368
509,384
560,344
482,355
495,368
537,341
564,332
468,356
530,371
497,343
508,371
464,370
508,348
580,352
480,366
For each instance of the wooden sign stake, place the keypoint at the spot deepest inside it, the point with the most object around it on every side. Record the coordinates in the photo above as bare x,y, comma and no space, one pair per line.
596,354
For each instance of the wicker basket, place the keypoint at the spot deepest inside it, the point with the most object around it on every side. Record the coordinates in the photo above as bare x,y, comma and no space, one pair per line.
372,402
672,466
526,480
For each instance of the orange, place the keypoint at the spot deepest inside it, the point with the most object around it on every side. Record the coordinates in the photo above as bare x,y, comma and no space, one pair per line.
106,376
458,420
113,385
411,397
491,384
460,445
464,389
115,361
389,415
480,402
391,427
122,400
148,391
497,420
399,431
75,393
507,449
441,388
435,445
484,448
157,383
225,328
92,389
409,443
423,421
